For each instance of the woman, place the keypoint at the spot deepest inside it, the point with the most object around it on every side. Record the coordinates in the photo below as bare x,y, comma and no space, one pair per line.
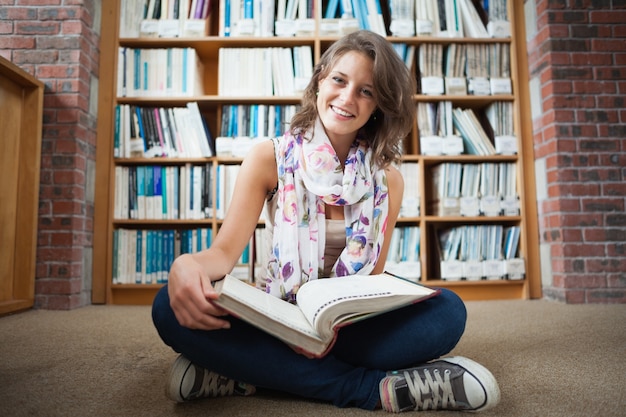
333,196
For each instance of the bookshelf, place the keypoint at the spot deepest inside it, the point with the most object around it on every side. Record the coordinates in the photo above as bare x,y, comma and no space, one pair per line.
21,118
429,222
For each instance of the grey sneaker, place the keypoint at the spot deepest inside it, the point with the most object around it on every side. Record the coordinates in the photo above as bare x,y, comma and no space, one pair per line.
454,383
188,382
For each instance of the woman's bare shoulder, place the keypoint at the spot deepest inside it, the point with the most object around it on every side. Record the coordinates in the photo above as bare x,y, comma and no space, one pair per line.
394,177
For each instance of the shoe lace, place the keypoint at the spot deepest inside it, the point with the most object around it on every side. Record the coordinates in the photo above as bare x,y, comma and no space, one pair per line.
434,391
215,385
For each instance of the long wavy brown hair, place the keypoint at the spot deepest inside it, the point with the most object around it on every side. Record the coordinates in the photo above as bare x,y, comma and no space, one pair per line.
394,87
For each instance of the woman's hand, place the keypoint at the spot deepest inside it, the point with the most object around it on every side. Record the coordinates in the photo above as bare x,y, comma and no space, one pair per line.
191,292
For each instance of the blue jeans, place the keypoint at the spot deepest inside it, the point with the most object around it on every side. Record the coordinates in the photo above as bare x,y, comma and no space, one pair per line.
348,376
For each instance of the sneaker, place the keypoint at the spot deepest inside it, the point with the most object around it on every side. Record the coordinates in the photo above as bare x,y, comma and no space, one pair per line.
188,382
454,383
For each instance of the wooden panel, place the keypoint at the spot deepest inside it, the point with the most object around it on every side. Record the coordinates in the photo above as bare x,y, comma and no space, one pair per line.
10,108
21,111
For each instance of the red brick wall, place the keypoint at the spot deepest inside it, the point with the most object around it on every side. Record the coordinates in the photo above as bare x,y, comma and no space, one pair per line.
578,54
55,41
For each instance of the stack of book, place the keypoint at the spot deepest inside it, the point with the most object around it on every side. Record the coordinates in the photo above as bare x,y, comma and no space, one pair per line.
147,132
244,125
475,252
163,192
159,72
263,72
403,258
164,18
486,189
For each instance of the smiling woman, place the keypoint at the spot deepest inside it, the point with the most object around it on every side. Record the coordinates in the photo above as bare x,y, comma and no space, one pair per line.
332,196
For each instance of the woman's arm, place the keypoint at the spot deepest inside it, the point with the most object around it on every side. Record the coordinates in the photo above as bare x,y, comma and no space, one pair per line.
189,281
396,190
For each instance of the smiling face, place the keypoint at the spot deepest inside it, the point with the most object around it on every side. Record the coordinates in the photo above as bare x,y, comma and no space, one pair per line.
346,98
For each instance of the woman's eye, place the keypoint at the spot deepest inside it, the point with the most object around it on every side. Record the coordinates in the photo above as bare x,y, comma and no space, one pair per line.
338,80
367,92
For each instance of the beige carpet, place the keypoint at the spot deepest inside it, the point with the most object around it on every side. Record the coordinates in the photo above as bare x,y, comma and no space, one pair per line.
550,360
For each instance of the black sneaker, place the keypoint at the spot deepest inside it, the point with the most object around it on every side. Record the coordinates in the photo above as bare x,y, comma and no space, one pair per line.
188,382
455,383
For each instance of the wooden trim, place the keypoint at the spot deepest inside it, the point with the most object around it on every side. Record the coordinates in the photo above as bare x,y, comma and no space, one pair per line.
21,95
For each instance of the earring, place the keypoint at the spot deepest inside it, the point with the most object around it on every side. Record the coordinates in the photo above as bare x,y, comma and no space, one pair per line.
317,93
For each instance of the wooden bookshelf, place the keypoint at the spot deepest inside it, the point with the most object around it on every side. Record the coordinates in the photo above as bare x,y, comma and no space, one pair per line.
21,112
207,47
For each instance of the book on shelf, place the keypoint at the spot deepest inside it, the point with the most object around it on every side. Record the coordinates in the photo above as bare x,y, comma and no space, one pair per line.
500,117
403,258
144,256
338,19
477,69
147,132
473,26
454,70
244,125
475,138
500,69
430,65
410,206
253,18
406,53
402,16
263,71
164,19
427,18
485,189
498,24
435,127
323,306
480,252
159,72
163,192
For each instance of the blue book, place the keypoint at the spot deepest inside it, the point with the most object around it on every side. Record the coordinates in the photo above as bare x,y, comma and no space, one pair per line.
165,192
116,135
175,191
226,17
332,9
248,9
149,192
138,258
149,255
157,183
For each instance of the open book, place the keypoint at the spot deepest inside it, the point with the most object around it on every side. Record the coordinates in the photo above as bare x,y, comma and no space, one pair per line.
323,306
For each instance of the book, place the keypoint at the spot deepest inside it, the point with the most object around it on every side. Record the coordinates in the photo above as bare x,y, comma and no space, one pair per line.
323,306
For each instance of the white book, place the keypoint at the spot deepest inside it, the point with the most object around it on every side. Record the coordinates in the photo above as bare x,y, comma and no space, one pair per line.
323,306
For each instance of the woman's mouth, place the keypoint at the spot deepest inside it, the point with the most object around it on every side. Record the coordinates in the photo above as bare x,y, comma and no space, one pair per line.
341,112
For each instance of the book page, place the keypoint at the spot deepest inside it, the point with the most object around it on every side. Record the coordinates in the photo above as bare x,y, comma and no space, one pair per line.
256,307
326,302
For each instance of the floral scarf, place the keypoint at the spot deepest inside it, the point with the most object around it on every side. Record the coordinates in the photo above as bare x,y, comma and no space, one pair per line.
309,176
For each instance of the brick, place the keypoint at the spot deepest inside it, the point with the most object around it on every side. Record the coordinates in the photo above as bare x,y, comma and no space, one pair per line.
614,189
592,58
59,42
59,13
597,116
582,250
609,73
567,16
615,101
605,235
616,280
584,281
607,17
606,296
603,204
37,28
18,42
573,101
580,220
18,13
